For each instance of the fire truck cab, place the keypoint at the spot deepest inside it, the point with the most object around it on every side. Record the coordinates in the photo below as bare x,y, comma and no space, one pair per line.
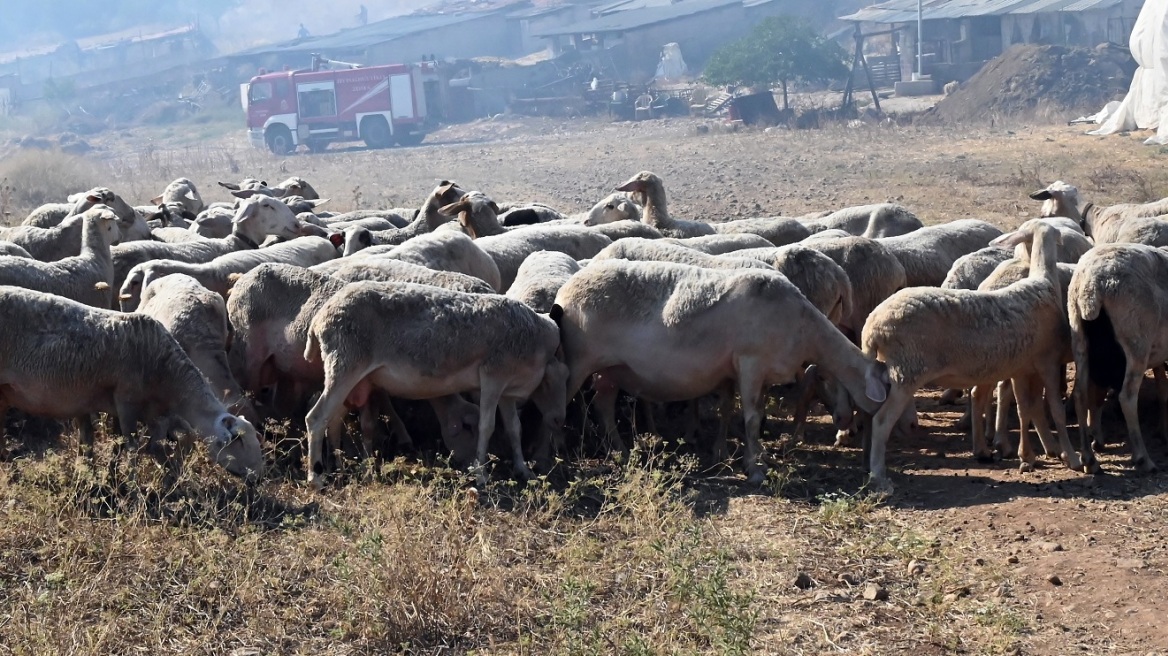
380,105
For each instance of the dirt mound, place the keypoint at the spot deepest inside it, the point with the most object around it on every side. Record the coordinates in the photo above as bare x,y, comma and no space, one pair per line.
1048,81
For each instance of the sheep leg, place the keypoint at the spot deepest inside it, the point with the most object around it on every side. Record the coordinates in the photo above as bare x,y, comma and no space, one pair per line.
1002,422
512,427
1085,393
645,410
490,392
84,434
750,386
979,403
401,434
721,452
324,414
605,403
1054,401
1028,392
882,423
1129,396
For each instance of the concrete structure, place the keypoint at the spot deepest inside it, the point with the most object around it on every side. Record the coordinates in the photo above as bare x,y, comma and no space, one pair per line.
959,36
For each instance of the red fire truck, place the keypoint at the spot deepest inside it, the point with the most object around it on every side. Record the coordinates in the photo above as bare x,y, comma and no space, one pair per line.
380,105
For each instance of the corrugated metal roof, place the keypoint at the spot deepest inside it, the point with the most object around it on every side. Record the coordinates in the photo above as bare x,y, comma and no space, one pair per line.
905,11
367,35
634,18
626,5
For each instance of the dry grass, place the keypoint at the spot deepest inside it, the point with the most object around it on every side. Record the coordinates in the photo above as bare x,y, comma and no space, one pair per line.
30,178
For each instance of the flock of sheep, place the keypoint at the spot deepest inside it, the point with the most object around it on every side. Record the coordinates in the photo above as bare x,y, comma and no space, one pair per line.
197,321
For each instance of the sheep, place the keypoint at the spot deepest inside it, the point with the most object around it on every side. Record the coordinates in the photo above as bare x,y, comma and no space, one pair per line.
927,254
1117,304
510,249
960,338
420,342
443,251
384,269
529,214
971,269
649,191
871,221
778,230
197,318
1135,223
831,233
181,192
213,222
255,219
61,359
624,229
175,235
85,278
1029,393
397,217
721,244
270,309
612,208
821,279
427,219
539,278
215,275
655,250
873,271
667,331
47,216
47,244
8,249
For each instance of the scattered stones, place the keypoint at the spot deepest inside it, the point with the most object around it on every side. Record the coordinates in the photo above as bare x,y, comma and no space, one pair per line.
916,568
1012,560
1054,579
873,592
1131,563
1050,547
803,581
848,580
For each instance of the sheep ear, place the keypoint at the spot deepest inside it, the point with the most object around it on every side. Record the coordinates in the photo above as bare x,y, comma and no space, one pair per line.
229,185
631,185
493,206
246,211
190,195
189,215
876,382
1041,194
1011,239
318,202
156,200
93,198
244,193
337,239
454,208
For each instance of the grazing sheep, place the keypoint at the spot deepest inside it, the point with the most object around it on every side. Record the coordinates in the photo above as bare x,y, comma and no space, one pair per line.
871,221
927,254
1118,307
540,277
874,273
270,309
256,219
397,217
442,251
648,190
1133,223
181,192
197,318
528,214
64,360
86,278
721,244
216,274
213,222
657,250
832,233
971,269
959,338
626,229
509,250
47,216
778,230
821,279
427,220
420,342
174,235
384,269
674,332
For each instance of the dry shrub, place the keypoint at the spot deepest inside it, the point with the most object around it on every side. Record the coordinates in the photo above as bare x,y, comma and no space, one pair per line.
44,176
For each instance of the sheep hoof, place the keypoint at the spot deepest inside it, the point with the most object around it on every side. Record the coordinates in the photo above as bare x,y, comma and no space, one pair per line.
757,477
879,485
1026,467
1006,453
1144,464
316,481
985,457
1073,461
524,473
844,438
1091,466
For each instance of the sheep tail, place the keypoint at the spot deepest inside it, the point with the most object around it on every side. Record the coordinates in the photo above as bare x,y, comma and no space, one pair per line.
1089,301
312,348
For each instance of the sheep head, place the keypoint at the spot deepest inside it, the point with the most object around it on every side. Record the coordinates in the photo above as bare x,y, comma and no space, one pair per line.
233,444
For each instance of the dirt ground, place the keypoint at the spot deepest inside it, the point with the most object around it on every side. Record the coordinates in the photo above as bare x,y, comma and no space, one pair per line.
964,557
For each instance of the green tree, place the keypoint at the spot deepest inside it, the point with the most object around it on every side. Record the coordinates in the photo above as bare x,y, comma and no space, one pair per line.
780,50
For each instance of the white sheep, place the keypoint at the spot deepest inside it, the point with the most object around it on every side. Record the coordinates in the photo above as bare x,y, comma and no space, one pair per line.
385,269
86,278
421,342
197,318
1118,305
63,360
47,244
614,207
668,332
1132,223
183,193
721,244
442,251
649,191
960,338
427,220
216,274
659,250
871,221
540,277
927,254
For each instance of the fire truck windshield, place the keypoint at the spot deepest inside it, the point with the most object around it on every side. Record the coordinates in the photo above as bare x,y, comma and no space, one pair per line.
260,91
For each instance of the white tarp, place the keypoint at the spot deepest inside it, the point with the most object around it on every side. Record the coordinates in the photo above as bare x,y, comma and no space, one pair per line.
672,66
1146,103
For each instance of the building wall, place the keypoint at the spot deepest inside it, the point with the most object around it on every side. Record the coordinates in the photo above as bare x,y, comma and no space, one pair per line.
488,35
699,35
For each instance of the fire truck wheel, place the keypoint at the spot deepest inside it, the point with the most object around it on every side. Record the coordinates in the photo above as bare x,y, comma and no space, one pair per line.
375,132
279,140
